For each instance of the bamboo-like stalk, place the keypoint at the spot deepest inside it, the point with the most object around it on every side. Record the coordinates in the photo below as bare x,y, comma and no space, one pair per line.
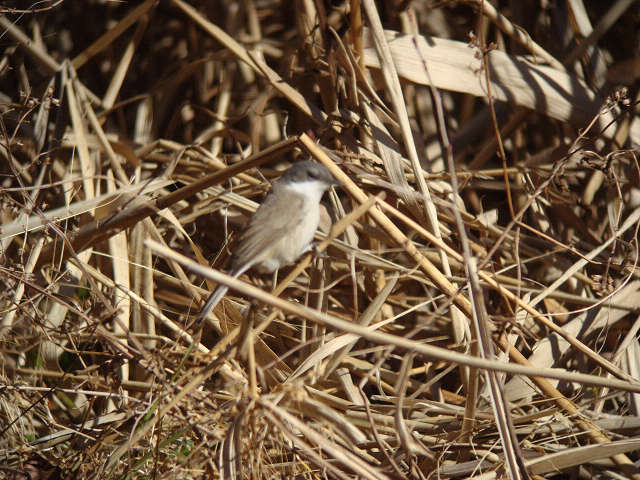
489,197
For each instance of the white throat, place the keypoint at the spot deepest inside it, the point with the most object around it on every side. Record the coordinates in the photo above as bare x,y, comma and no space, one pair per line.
312,189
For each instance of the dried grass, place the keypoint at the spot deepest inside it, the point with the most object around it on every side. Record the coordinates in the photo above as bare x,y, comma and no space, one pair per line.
473,313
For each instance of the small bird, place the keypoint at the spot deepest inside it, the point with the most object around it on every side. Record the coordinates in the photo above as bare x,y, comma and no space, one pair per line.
282,228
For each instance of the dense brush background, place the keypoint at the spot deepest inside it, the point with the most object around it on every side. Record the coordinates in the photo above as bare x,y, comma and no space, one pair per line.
488,218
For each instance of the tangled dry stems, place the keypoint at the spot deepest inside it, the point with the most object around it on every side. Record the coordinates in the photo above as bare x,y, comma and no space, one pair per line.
486,231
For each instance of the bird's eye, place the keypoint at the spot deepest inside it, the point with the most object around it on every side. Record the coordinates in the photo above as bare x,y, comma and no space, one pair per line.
313,174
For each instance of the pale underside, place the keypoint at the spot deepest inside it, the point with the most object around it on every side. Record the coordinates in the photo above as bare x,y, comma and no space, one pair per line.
280,230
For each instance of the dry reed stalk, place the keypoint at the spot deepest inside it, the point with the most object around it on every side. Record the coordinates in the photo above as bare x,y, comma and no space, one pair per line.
489,199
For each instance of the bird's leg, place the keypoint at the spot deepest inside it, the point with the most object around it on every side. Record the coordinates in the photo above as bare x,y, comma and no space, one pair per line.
317,253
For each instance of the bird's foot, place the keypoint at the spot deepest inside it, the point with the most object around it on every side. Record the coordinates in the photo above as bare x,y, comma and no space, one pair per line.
318,253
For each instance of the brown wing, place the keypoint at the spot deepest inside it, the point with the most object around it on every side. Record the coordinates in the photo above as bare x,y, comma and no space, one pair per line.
278,214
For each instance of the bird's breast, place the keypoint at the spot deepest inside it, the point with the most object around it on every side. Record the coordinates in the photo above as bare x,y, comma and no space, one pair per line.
297,237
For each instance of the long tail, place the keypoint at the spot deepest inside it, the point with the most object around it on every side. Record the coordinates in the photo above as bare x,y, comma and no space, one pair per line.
212,302
217,295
